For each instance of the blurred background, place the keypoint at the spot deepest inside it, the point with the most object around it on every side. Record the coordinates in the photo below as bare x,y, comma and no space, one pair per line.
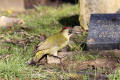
19,5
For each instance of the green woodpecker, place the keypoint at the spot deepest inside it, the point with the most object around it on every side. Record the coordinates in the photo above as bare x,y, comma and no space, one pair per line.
52,44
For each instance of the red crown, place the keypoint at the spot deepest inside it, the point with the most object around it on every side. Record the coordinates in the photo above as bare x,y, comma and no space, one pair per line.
66,28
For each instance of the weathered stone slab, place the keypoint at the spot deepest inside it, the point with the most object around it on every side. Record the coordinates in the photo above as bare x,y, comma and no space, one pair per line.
104,32
88,7
14,5
21,5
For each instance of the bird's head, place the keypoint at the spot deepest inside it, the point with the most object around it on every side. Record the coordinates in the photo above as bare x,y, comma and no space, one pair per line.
67,31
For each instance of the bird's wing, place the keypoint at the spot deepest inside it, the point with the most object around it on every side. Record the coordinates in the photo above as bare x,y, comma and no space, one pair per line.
47,43
55,40
43,45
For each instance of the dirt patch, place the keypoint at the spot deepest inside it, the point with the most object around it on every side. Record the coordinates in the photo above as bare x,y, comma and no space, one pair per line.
96,69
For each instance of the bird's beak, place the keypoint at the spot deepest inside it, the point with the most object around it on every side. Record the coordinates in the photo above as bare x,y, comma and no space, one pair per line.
78,32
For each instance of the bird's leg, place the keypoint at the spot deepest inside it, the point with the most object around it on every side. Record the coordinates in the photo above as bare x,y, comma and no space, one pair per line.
53,58
57,57
54,54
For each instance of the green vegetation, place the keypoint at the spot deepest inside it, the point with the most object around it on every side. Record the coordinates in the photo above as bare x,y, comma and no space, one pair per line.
43,20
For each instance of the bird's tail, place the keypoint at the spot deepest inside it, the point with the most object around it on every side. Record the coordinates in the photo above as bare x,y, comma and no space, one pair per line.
39,55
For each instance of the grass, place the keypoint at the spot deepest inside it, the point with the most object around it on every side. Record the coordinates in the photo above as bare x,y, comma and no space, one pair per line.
115,76
42,20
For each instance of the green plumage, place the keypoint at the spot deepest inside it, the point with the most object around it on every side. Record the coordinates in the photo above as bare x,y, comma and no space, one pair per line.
52,44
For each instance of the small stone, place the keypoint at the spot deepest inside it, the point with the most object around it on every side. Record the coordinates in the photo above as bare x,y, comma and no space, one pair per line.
61,56
6,22
51,60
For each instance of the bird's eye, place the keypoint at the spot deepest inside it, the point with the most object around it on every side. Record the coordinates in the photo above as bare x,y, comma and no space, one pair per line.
70,31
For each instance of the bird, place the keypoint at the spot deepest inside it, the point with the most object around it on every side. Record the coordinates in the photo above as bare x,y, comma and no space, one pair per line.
52,44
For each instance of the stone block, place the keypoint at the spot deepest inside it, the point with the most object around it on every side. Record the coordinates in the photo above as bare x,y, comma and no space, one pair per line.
104,32
88,7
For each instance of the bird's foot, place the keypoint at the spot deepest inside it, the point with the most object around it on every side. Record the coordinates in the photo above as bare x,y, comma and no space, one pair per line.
57,57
